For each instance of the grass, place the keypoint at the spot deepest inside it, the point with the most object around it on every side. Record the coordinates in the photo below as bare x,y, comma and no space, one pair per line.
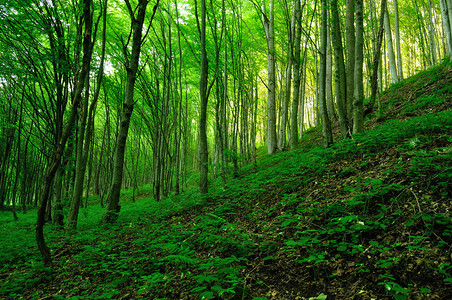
366,218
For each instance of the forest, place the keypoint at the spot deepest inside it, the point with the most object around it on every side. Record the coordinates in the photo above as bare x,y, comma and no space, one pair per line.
239,149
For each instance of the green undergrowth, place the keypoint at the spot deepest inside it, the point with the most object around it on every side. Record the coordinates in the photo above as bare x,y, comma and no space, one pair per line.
367,218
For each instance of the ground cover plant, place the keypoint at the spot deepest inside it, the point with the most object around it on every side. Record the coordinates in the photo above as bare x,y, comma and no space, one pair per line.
366,218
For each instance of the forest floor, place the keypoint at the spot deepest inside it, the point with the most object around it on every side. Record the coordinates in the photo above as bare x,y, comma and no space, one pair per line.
368,218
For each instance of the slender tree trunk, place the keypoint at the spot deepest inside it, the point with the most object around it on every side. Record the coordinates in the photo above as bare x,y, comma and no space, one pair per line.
326,125
56,158
203,149
350,41
296,80
339,69
112,208
285,106
329,78
179,115
445,16
397,40
84,141
392,60
431,35
377,55
358,117
449,10
268,23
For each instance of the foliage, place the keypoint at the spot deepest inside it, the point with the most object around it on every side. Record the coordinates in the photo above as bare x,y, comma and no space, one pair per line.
373,211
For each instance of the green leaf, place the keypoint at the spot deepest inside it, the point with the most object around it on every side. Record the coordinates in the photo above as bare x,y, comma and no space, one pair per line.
409,223
425,290
322,296
374,243
270,257
206,295
397,212
342,248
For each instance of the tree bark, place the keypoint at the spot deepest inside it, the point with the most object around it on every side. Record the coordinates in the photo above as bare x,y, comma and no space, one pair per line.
203,147
329,78
431,35
397,40
296,77
445,16
376,58
268,23
285,104
339,69
358,117
326,125
350,41
392,60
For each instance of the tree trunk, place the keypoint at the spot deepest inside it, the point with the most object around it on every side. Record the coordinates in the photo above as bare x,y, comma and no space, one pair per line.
329,78
392,61
358,118
296,77
377,55
112,208
350,41
203,147
84,141
326,125
285,106
339,69
431,35
446,25
268,23
397,40
449,10
56,158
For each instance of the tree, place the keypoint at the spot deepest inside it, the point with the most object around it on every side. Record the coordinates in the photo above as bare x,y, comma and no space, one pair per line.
203,96
392,61
53,166
358,117
326,125
431,34
397,40
297,79
131,62
446,17
268,21
376,56
339,69
86,124
350,41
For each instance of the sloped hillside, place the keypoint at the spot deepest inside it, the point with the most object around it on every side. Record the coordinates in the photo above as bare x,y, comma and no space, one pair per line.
369,217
